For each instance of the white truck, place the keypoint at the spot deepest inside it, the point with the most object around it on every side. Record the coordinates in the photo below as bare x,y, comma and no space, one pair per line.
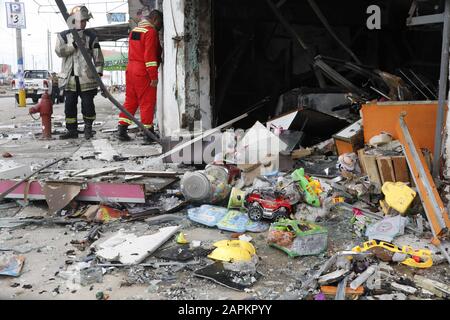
36,82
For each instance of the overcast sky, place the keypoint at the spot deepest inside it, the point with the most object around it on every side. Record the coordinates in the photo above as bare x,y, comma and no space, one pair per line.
40,17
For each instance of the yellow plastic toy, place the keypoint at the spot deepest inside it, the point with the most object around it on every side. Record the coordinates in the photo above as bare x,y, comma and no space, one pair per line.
181,239
423,255
338,200
398,195
233,250
315,186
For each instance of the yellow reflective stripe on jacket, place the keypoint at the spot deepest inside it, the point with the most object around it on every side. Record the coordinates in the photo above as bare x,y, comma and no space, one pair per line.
137,29
126,120
145,23
90,118
71,120
148,126
151,64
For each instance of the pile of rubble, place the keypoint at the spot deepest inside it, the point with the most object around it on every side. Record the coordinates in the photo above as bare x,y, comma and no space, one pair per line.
350,215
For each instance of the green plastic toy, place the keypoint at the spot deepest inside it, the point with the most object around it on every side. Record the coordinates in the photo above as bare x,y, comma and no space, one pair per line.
310,197
308,238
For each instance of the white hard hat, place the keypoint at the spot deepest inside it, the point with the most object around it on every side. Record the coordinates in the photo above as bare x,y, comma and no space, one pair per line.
81,13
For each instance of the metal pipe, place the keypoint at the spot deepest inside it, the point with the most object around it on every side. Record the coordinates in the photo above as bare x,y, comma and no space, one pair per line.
14,187
438,146
286,24
423,83
413,84
423,177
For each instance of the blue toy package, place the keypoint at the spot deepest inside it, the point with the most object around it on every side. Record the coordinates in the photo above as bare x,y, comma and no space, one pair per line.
207,214
224,219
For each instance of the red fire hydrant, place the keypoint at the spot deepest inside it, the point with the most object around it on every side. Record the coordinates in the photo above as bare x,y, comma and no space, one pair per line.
45,109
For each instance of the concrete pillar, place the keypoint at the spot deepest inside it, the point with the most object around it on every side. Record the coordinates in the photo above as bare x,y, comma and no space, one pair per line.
184,90
205,63
198,72
171,104
192,115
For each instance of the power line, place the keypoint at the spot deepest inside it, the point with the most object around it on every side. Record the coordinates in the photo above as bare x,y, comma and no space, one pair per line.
90,3
56,11
116,7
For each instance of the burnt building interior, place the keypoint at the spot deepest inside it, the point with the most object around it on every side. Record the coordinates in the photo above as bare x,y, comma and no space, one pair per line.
329,60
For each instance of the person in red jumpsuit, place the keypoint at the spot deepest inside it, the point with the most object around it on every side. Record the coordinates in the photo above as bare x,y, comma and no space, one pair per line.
144,57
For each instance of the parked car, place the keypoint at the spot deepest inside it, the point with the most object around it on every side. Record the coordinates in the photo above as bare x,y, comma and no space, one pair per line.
36,82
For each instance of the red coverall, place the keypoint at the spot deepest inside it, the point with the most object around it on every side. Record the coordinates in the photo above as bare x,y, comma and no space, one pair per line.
144,56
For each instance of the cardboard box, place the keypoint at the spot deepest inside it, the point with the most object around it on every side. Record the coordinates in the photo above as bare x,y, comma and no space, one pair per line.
351,139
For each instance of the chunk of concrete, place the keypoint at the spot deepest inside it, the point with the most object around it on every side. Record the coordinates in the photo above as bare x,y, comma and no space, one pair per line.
405,289
438,288
363,277
104,150
130,249
332,277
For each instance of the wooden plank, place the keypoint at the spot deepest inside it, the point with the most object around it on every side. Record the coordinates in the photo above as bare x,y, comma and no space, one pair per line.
96,172
428,159
401,169
361,161
162,174
331,290
370,163
133,177
300,153
386,169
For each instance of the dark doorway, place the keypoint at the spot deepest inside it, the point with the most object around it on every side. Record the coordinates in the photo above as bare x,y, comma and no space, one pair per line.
255,57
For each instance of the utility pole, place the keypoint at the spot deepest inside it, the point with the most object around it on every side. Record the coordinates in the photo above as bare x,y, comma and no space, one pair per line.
22,94
49,51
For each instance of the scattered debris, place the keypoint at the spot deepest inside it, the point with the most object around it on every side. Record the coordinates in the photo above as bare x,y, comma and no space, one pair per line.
298,238
11,265
228,278
439,289
387,229
229,220
58,195
131,249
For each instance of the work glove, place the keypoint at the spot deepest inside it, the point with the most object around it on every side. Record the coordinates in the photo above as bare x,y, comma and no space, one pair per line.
70,40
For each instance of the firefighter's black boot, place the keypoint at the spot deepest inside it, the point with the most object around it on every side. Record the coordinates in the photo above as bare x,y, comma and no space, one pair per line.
88,134
72,131
122,134
70,134
147,139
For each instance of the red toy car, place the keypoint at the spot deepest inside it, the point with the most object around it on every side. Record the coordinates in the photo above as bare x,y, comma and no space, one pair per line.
269,204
